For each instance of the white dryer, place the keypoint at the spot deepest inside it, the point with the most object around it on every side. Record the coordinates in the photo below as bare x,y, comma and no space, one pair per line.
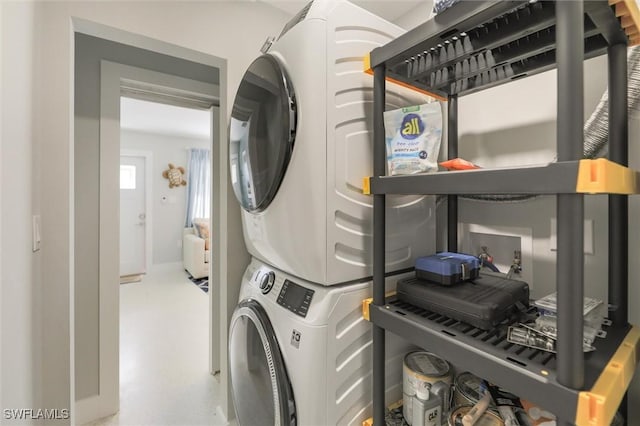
300,353
301,143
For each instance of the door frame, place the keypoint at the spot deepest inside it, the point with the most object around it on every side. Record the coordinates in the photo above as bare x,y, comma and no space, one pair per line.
148,201
228,270
115,77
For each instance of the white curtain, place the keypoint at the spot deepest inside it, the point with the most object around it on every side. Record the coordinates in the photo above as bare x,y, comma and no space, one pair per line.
198,185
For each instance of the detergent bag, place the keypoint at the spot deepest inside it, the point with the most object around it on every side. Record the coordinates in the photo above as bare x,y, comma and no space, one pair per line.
413,137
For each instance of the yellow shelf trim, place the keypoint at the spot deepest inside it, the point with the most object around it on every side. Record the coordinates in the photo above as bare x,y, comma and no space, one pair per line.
602,176
366,185
369,70
367,302
629,14
365,308
598,406
369,421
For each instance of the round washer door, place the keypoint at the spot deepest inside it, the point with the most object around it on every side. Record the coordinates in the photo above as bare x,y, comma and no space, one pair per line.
262,393
261,133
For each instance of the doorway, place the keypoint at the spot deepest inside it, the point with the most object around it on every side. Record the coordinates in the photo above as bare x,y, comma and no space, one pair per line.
97,184
175,141
125,89
163,312
134,197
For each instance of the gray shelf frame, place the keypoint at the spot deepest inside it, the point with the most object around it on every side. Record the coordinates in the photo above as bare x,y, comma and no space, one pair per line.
553,178
558,390
504,367
601,29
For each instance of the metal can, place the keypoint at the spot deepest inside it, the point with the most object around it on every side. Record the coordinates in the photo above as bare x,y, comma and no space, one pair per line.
488,418
468,390
421,367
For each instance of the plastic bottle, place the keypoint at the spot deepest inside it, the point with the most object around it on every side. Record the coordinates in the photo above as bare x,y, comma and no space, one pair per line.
427,408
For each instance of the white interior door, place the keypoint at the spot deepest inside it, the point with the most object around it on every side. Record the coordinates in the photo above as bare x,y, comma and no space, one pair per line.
133,215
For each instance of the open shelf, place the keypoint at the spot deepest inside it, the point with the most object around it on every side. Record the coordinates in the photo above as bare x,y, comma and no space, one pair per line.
527,372
472,46
477,45
599,176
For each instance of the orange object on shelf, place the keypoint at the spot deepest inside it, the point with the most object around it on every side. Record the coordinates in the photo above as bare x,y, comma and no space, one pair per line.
458,164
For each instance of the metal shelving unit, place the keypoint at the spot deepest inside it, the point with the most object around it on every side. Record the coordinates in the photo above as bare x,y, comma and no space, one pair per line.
520,39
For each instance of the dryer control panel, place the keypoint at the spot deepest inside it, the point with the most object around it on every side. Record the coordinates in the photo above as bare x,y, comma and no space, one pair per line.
295,298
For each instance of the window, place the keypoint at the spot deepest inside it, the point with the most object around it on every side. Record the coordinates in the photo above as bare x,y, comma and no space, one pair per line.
127,176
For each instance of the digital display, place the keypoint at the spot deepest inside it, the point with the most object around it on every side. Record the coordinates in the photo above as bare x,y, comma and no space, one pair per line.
295,294
295,298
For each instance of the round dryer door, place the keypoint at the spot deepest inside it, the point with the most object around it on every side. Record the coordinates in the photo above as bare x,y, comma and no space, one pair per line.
261,133
260,386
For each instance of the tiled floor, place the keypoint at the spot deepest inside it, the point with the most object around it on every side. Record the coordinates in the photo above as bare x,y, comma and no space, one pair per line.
164,370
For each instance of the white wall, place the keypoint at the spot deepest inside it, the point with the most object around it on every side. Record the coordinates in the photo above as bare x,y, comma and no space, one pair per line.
416,16
216,28
167,217
19,321
515,124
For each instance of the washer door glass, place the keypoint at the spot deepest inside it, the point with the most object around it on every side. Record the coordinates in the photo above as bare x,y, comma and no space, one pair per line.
261,133
260,386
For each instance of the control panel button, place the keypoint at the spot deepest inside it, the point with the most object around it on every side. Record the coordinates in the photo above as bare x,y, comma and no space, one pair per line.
264,281
267,281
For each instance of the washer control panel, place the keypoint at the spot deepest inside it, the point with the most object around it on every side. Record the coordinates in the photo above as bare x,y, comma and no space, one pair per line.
295,298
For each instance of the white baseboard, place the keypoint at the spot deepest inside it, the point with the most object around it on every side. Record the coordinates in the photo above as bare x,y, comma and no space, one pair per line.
91,409
220,414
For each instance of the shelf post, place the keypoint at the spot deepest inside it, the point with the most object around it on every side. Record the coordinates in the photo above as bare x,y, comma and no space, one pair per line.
379,169
618,204
570,207
452,152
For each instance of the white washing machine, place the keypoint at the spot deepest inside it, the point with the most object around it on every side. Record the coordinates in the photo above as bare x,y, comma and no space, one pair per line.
301,143
300,353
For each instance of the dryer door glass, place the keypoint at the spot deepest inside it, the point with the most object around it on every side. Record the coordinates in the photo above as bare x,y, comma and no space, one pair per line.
261,133
260,386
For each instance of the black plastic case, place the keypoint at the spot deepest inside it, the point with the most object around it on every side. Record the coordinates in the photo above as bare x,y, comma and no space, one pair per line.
484,302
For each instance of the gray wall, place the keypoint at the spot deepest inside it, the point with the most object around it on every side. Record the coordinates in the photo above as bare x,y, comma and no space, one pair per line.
89,51
167,216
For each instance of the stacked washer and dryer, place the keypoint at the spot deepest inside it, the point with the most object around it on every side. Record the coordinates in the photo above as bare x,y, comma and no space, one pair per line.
300,144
